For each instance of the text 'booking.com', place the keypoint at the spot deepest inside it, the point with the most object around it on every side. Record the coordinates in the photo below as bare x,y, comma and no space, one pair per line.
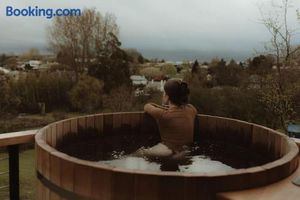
35,11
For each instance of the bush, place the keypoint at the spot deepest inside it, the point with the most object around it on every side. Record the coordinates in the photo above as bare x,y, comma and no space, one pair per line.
86,95
60,67
119,99
8,101
152,95
169,70
151,72
59,115
230,102
52,89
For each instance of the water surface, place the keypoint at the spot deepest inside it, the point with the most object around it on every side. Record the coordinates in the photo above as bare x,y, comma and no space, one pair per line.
115,149
196,164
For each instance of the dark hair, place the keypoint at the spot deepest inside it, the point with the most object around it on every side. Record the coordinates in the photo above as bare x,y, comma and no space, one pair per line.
177,91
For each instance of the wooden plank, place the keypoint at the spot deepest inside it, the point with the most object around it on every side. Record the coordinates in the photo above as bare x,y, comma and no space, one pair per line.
66,127
54,196
83,180
45,159
117,121
59,132
102,184
90,121
99,123
107,123
39,191
81,122
67,174
55,169
171,188
48,136
123,186
74,125
53,135
260,138
14,138
146,187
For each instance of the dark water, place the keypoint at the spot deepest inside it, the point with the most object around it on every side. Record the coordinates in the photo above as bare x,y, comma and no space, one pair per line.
115,150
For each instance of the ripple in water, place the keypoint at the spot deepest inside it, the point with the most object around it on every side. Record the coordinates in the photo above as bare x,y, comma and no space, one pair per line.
195,164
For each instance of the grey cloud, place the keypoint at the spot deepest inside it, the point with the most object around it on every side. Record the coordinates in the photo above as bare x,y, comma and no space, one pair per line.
149,25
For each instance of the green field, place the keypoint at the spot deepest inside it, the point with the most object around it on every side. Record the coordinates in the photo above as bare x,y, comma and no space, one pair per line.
27,176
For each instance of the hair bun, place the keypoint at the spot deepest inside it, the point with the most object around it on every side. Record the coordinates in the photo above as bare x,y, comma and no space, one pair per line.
177,91
184,88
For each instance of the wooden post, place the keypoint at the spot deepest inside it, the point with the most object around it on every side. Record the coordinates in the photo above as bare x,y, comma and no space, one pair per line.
14,186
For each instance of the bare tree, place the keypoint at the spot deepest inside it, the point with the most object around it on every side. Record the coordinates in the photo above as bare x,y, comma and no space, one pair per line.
276,22
280,46
31,54
77,40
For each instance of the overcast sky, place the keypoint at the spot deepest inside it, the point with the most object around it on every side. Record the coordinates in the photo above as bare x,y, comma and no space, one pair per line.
175,29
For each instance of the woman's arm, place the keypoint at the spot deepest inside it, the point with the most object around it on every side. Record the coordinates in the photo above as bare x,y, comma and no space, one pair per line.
154,110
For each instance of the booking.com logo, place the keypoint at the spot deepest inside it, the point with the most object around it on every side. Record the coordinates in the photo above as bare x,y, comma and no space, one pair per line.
41,12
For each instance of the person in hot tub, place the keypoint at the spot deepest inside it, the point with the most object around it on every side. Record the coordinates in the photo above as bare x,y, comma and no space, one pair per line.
175,120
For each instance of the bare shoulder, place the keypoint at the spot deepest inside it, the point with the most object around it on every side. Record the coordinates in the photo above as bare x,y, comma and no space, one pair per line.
192,107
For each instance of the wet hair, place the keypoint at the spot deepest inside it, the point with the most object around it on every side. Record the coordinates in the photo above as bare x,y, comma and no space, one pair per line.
177,91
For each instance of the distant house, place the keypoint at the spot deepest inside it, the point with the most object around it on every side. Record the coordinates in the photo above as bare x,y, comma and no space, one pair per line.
138,80
294,130
35,64
209,77
20,66
16,74
4,70
156,85
204,66
10,73
254,81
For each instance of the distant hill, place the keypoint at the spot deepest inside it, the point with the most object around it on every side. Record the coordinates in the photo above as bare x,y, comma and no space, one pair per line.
171,55
181,54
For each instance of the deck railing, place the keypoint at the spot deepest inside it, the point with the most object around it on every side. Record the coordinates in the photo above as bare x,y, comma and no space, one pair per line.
12,141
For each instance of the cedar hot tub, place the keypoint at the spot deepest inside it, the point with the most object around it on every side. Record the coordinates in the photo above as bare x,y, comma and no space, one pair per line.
61,176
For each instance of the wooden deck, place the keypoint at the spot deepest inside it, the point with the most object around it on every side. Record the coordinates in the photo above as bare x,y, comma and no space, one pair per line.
282,190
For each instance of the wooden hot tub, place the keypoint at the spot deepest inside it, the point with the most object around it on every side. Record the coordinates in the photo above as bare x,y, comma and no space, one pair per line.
64,177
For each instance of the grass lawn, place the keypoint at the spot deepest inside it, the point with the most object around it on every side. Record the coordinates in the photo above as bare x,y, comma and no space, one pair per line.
27,176
33,121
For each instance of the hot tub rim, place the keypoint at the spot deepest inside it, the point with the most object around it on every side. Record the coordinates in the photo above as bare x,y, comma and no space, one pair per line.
292,154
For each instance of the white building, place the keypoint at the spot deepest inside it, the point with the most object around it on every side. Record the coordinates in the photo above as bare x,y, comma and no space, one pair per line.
156,85
5,71
35,64
138,80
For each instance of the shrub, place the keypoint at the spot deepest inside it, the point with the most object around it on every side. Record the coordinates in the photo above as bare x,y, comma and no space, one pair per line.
151,72
230,102
8,101
86,95
169,70
33,88
59,115
119,99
